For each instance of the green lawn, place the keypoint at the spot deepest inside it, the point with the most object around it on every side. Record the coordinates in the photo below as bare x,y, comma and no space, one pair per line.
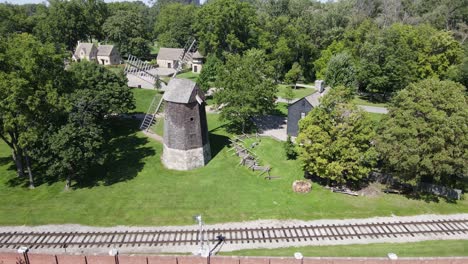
143,98
376,117
133,188
154,49
438,248
359,100
188,75
299,92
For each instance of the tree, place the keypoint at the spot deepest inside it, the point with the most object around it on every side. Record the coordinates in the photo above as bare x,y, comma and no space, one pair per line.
341,71
325,56
31,82
425,137
76,144
173,26
294,74
226,25
127,30
245,88
209,72
390,59
335,139
289,94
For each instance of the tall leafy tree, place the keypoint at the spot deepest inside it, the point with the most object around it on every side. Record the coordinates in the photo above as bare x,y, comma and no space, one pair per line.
425,137
76,144
70,21
226,25
245,88
173,26
209,72
127,30
341,71
294,74
336,139
31,84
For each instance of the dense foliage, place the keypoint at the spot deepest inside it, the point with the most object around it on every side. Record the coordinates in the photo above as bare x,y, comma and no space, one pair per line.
335,140
245,88
425,137
51,117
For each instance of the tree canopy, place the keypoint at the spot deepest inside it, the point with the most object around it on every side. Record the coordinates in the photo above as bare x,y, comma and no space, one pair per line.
335,140
245,88
425,137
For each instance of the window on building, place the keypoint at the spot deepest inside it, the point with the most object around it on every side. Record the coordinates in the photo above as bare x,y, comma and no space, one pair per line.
303,115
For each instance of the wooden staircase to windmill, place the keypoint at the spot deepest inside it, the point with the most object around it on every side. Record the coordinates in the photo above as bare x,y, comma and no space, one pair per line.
157,104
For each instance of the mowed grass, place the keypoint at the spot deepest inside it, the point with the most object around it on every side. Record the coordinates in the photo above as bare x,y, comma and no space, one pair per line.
359,100
299,92
133,188
437,248
188,75
143,98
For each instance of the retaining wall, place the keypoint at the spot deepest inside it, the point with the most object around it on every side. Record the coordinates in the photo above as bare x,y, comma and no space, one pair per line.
13,258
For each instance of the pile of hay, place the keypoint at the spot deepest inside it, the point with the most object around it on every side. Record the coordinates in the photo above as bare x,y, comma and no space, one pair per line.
302,186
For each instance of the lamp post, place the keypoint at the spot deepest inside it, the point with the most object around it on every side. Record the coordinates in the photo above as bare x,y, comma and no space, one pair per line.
115,253
24,250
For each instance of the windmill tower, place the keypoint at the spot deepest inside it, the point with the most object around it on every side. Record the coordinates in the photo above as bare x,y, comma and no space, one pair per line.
186,144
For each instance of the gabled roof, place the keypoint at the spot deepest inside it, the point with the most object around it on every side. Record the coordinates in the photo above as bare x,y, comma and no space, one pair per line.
86,47
169,54
181,91
313,99
105,50
197,55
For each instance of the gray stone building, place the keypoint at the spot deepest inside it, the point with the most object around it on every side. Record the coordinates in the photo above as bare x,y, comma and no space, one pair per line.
197,62
299,109
108,55
186,144
169,57
85,51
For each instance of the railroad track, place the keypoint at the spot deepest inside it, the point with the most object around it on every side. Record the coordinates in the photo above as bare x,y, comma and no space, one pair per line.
298,233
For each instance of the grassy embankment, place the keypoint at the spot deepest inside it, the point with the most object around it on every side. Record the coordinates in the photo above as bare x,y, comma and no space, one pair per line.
438,248
133,188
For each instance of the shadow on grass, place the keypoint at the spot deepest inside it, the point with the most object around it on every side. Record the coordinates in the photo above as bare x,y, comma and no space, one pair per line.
125,154
217,143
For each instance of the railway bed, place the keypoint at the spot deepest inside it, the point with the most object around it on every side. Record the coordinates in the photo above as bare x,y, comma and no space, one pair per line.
187,239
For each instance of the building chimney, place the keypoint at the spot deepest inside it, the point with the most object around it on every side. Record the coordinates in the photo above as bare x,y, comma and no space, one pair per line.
319,85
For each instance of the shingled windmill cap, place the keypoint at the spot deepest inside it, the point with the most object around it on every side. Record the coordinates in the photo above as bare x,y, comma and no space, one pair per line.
180,91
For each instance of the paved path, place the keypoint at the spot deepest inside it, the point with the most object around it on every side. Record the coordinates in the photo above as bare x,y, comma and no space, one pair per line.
374,109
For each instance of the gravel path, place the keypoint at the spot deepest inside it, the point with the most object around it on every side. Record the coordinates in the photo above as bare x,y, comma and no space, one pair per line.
252,224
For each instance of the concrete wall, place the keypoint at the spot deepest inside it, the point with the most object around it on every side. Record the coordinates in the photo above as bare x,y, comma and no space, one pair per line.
14,258
294,115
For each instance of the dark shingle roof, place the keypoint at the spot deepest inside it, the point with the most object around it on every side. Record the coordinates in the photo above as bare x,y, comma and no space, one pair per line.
105,50
180,91
169,54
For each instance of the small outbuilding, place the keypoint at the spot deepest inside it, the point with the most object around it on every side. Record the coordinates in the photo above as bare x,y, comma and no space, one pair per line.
108,55
169,57
300,108
85,51
197,62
